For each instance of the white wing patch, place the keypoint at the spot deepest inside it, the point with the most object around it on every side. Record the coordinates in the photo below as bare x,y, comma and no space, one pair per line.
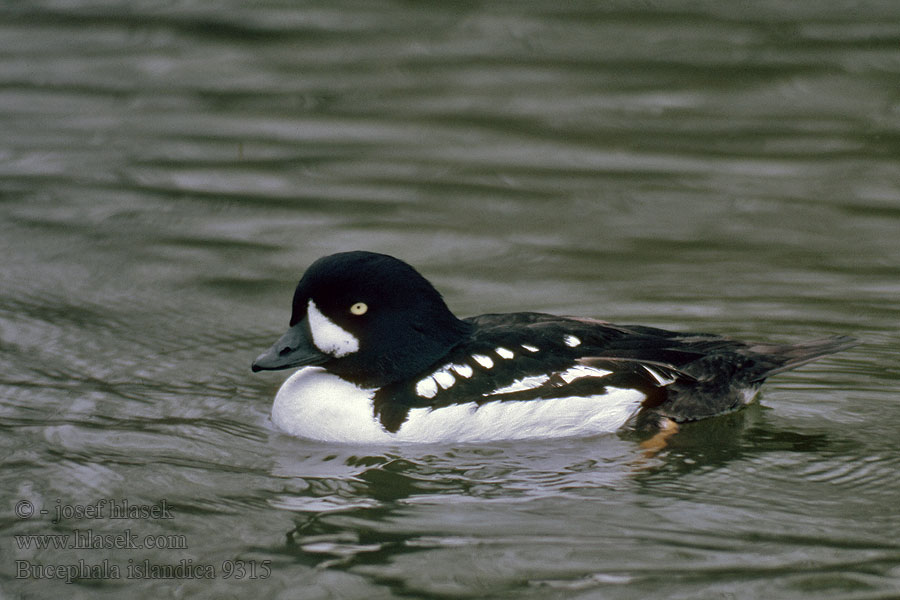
462,370
530,348
572,341
444,378
427,387
485,361
328,337
526,383
504,352
535,381
580,371
658,376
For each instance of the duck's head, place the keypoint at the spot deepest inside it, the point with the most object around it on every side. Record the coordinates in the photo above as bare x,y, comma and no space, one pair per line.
369,318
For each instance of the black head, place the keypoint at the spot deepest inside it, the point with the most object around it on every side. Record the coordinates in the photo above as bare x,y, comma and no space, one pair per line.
369,318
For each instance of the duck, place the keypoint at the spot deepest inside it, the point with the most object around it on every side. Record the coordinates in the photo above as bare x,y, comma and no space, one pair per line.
381,358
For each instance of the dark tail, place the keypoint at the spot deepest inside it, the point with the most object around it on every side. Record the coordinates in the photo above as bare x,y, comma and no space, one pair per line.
785,357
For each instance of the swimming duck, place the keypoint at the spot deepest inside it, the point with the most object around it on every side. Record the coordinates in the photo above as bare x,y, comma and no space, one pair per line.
385,360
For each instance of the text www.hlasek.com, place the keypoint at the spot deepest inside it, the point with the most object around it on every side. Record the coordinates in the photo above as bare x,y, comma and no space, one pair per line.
86,539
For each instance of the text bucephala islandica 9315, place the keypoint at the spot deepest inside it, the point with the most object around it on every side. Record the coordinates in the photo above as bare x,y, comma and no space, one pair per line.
385,360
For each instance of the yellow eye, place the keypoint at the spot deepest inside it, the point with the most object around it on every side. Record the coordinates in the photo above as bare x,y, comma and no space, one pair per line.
359,308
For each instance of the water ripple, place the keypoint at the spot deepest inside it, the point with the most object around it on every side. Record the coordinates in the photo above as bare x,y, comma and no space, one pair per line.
166,173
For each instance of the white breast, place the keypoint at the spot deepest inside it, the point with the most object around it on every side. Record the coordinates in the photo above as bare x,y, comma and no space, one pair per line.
314,404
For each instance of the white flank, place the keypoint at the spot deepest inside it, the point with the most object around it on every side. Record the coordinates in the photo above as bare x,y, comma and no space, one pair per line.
317,405
572,341
526,383
328,337
485,361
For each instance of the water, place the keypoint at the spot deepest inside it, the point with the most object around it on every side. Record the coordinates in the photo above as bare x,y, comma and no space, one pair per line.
168,171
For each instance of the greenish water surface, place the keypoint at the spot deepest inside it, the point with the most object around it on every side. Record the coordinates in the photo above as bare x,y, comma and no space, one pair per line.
168,170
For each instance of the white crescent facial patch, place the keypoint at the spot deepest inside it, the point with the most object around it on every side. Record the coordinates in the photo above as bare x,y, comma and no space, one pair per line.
328,337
